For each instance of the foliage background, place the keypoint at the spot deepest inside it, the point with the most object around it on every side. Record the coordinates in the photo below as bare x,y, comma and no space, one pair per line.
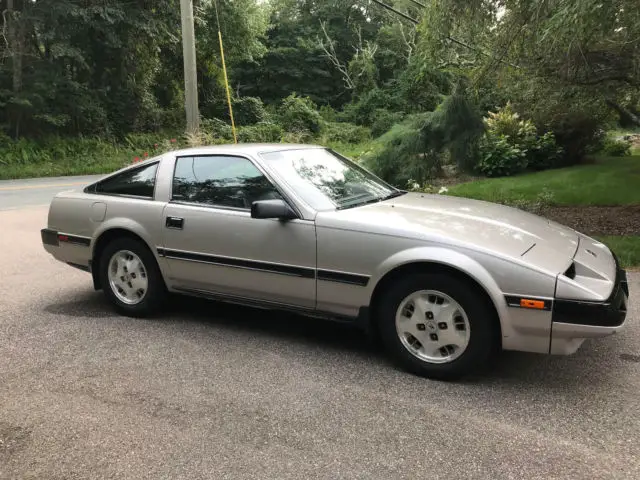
490,87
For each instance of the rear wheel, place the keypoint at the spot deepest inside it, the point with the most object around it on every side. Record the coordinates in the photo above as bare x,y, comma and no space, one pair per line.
131,279
436,326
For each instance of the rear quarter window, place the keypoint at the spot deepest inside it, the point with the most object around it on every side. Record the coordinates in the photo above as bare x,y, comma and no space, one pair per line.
137,182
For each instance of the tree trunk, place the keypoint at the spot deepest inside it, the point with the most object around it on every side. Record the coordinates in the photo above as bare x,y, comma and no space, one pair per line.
14,30
626,118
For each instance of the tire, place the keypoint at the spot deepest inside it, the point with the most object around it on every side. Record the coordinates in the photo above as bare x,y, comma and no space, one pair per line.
471,326
155,292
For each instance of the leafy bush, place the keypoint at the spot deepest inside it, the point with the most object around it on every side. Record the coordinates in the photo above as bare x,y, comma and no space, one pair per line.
299,114
401,157
363,111
576,131
261,132
417,147
499,156
506,122
297,137
543,152
248,111
216,128
54,155
145,141
346,133
384,120
328,113
421,85
519,144
615,148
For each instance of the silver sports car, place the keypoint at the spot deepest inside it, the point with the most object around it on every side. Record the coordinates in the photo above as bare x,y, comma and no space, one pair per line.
442,281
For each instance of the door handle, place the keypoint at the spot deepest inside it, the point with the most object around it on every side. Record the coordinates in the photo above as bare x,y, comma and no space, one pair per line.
175,222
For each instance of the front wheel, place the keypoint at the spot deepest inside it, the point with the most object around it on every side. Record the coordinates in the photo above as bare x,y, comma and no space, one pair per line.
131,279
436,326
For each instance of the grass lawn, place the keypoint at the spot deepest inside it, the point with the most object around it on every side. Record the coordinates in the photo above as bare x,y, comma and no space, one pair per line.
626,247
608,181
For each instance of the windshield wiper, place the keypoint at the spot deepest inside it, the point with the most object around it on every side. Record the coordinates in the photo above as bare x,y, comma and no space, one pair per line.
358,204
396,194
372,200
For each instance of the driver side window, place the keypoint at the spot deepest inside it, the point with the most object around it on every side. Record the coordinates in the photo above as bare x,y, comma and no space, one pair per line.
220,181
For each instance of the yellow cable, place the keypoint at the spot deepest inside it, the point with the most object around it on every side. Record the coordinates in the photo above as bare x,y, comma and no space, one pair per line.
226,83
226,80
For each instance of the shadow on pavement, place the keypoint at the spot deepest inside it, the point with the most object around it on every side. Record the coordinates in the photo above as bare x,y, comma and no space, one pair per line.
506,371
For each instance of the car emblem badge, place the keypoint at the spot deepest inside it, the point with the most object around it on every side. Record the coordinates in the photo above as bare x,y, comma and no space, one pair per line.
431,326
591,252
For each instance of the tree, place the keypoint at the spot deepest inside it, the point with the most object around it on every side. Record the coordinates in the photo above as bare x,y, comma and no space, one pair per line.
560,61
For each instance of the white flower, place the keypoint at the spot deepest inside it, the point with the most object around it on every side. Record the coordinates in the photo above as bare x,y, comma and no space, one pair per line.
443,190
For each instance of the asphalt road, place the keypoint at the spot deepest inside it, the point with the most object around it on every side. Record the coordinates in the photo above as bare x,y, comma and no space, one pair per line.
15,194
208,391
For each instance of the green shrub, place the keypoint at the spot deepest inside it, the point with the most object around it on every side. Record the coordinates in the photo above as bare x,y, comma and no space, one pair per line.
248,111
506,122
384,120
346,133
422,86
615,148
363,111
299,114
328,113
509,135
499,156
543,152
216,128
145,141
417,147
297,137
263,132
58,149
577,132
401,158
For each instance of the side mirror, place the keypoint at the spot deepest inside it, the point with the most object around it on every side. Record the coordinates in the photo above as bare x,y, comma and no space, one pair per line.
272,209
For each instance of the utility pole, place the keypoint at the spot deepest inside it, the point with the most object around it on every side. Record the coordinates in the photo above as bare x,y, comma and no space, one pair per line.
190,73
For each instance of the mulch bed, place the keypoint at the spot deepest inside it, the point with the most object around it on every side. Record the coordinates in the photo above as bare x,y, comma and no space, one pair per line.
620,220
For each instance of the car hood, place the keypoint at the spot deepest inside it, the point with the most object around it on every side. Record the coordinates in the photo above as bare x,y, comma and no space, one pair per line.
502,230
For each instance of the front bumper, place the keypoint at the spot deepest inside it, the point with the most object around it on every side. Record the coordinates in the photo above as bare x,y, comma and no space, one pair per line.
573,321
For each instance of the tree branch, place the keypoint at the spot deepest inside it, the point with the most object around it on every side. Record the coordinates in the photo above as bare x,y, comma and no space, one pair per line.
330,53
410,43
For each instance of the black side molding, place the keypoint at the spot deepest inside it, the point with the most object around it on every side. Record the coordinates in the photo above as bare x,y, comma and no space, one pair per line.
55,238
304,272
341,277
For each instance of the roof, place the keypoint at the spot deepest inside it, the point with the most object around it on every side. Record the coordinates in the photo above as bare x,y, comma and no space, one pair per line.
248,148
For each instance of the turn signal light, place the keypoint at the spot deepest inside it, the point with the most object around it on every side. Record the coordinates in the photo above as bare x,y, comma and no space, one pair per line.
537,304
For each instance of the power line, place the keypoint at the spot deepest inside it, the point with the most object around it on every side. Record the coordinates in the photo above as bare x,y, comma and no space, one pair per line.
418,3
397,12
451,39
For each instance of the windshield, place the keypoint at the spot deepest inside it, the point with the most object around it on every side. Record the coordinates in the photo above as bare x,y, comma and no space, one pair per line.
326,180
